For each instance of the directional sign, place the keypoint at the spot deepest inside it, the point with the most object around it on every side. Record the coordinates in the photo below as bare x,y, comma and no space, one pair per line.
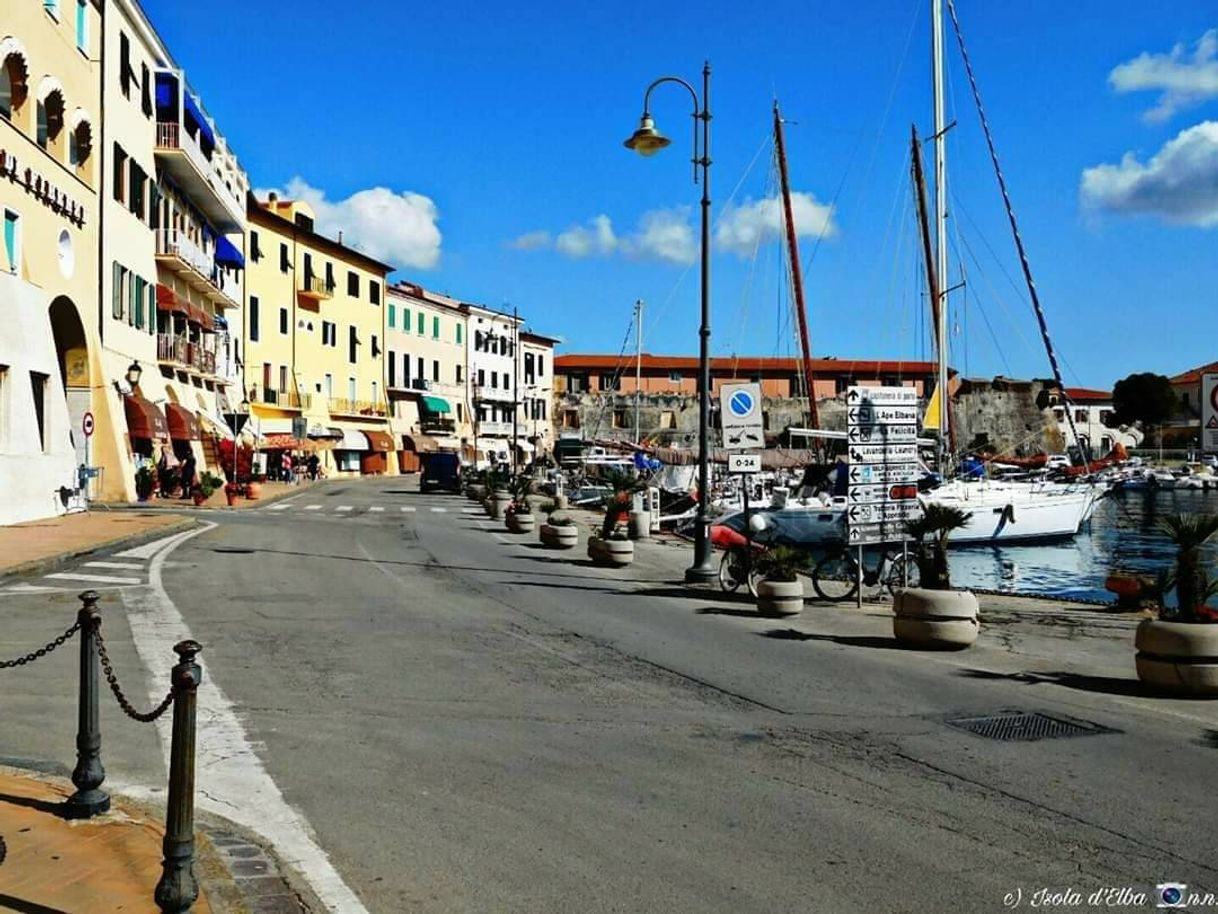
889,511
881,453
744,463
86,425
888,434
856,396
874,494
866,473
875,414
740,414
861,534
1209,413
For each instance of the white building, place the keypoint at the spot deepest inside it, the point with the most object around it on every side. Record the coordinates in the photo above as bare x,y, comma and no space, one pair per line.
493,346
537,389
1092,413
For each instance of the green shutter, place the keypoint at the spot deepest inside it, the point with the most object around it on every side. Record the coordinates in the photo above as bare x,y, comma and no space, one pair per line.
458,334
152,308
393,311
406,319
422,323
137,301
117,292
435,328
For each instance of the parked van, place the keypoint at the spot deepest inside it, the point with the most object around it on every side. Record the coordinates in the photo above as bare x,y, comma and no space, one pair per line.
441,471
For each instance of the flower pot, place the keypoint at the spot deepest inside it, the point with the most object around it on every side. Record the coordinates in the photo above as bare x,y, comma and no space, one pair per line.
199,498
935,619
640,525
231,497
1180,657
610,553
780,598
559,537
519,522
253,491
476,492
498,504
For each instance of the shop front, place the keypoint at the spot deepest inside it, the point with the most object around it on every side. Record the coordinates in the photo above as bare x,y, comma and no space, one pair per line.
184,428
350,450
375,462
412,447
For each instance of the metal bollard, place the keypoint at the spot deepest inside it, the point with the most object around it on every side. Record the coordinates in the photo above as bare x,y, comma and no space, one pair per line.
89,799
177,889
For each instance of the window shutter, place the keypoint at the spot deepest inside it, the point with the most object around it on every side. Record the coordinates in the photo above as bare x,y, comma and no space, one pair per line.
116,296
152,308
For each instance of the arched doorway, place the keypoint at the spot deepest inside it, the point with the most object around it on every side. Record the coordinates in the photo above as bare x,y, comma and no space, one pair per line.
72,349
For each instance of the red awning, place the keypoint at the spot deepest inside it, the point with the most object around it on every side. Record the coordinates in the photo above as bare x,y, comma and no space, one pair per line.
379,441
420,444
144,420
279,443
207,322
167,300
194,313
183,424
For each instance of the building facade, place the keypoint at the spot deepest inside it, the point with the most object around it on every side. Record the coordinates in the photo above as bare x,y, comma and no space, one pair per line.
537,390
427,373
50,371
492,354
314,364
1092,412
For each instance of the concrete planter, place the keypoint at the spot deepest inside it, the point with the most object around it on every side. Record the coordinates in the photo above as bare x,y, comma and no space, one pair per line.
519,522
640,525
1180,657
498,504
935,619
610,553
780,598
564,537
475,492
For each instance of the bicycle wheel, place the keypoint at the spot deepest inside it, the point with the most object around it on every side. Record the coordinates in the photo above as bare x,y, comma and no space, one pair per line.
730,571
836,576
895,577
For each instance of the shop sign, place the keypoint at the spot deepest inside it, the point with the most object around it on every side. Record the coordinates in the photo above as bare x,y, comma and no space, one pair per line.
41,189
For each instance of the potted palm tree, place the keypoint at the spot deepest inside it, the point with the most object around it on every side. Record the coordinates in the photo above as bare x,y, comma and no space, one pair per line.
934,615
612,547
559,532
780,592
517,517
1179,650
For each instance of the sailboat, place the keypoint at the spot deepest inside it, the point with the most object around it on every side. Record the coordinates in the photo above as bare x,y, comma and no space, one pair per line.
1001,511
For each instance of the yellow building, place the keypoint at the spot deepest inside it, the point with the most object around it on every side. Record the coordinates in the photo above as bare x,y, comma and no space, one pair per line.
314,331
49,174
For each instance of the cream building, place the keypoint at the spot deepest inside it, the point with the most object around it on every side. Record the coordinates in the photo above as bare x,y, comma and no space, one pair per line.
493,347
537,390
314,331
427,373
50,373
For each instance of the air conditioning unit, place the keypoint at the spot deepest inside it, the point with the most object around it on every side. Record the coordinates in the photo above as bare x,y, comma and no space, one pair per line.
420,384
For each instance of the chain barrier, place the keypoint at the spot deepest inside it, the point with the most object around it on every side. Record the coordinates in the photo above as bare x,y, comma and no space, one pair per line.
42,651
123,703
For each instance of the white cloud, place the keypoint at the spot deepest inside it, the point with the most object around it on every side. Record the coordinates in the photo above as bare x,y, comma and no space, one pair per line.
663,234
399,229
1179,184
530,241
1183,79
742,228
596,237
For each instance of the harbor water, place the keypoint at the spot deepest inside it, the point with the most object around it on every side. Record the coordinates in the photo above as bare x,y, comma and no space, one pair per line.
1123,536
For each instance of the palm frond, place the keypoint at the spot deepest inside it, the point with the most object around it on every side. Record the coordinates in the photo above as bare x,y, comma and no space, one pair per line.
1188,531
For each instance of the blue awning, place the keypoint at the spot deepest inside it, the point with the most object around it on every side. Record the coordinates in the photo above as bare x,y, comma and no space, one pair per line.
192,108
166,90
227,253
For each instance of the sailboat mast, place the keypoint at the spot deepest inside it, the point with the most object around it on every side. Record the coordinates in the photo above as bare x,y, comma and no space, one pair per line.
638,364
797,280
940,164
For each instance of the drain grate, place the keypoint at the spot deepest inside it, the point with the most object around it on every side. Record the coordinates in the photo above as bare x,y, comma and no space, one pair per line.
1026,726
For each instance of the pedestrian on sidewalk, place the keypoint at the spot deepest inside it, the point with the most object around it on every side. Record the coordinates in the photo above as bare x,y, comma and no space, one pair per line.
287,467
314,464
188,475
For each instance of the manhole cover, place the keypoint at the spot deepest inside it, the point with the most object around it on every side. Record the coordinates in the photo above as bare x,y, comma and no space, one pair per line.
1026,726
234,550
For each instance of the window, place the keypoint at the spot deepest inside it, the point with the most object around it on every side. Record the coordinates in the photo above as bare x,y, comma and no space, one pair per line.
392,362
352,342
435,328
541,366
374,291
12,240
1184,398
619,419
351,389
10,84
422,370
841,384
495,380
134,301
1080,415
353,284
308,267
675,377
38,387
329,277
124,64
283,321
145,90
1105,444
329,385
570,418
459,334
481,378
406,319
283,379
376,346
460,412
393,316
285,264
255,251
435,370
82,26
137,301
50,119
422,324
459,373
116,293
609,382
329,334
254,318
1059,414
135,201
405,369
530,375
120,174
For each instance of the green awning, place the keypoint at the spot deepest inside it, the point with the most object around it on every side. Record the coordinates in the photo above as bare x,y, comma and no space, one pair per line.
436,404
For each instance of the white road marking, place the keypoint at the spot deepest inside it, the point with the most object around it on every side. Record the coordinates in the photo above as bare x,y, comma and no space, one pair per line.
130,566
376,508
231,779
98,578
279,507
30,588
409,508
438,510
312,507
146,551
344,508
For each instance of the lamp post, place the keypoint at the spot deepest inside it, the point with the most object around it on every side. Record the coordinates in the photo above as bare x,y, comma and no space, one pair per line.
134,372
648,141
515,384
242,410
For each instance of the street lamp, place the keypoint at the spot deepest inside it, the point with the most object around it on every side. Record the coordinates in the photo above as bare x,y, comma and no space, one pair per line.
134,371
647,141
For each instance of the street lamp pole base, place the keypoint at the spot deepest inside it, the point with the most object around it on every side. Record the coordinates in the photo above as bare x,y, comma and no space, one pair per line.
701,574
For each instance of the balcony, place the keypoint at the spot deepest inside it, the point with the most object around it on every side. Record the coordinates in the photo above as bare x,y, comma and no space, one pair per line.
282,399
181,353
315,288
183,158
491,428
497,394
431,424
341,406
181,255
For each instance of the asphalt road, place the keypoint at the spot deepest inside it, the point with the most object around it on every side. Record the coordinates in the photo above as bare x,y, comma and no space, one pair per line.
469,722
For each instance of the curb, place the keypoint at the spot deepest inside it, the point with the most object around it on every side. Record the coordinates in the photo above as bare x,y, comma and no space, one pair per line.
43,565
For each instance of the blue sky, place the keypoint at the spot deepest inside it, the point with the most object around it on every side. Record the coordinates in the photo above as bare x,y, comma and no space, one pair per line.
494,135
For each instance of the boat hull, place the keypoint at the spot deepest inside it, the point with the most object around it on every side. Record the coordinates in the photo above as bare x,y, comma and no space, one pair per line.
1009,512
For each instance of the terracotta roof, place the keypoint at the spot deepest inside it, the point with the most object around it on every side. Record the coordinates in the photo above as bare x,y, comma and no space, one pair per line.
1194,376
1081,394
746,364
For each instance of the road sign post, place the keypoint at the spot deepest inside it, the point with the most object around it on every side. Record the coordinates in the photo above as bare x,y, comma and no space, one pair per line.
882,453
741,416
1209,413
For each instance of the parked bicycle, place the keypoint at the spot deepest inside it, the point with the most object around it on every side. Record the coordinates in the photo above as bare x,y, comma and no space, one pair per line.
836,576
739,566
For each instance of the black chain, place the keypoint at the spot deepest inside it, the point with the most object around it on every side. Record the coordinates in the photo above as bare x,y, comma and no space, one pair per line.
128,709
42,651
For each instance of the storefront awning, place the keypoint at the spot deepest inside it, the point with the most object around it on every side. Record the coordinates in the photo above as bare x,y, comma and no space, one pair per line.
214,427
227,254
379,441
144,420
524,447
273,425
278,443
183,424
436,404
168,301
326,432
420,444
353,440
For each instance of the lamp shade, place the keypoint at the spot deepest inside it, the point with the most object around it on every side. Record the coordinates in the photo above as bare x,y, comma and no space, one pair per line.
133,373
647,141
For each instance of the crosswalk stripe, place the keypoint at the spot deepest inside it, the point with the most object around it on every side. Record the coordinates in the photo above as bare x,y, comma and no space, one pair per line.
409,508
99,578
279,507
129,566
312,507
29,588
438,510
344,508
376,508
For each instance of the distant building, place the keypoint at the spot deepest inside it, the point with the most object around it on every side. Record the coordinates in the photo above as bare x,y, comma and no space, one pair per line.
537,390
492,353
1092,413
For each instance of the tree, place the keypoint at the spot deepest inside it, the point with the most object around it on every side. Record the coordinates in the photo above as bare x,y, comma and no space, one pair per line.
1147,398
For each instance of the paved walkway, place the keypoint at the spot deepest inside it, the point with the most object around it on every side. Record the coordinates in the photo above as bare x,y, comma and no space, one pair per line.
27,546
109,863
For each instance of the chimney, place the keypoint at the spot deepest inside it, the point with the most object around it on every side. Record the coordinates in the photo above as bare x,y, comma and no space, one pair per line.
340,236
272,198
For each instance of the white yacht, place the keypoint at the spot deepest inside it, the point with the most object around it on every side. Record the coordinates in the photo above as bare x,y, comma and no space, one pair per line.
1005,512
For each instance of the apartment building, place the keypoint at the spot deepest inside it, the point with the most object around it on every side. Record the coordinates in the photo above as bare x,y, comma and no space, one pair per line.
427,373
1092,412
314,331
493,344
50,370
537,390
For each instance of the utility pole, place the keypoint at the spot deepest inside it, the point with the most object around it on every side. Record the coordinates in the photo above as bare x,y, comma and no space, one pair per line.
515,382
638,365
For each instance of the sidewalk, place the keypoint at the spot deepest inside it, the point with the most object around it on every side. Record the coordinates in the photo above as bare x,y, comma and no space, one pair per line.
270,492
36,545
